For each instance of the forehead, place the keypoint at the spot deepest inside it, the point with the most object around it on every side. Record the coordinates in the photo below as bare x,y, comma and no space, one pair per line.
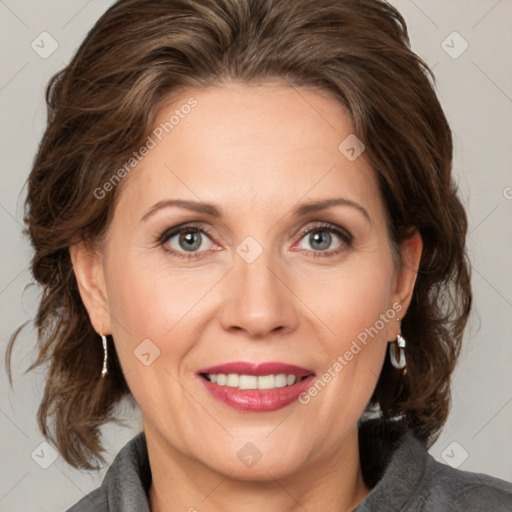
271,143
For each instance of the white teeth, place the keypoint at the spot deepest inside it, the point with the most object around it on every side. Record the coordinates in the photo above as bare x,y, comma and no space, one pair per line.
232,380
266,382
280,380
248,382
252,381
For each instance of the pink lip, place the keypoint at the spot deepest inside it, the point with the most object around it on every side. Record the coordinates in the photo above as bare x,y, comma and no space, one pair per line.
257,400
243,368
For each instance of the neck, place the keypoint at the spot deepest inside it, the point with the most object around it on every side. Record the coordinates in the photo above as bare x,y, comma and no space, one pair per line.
184,483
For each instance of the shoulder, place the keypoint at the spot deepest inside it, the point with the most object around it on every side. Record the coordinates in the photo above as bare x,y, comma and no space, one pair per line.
455,489
96,501
404,476
126,483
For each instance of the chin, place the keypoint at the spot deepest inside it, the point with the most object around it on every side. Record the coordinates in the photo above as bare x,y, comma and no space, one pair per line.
257,460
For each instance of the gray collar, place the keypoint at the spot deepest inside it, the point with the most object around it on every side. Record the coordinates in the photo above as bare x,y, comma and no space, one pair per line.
394,464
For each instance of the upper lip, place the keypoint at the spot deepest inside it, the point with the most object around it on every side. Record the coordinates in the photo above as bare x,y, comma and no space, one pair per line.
247,368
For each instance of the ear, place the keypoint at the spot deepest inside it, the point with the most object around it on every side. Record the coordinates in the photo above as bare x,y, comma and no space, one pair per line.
411,249
88,269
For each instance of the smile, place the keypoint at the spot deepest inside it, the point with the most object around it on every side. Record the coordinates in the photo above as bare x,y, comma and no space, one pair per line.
256,387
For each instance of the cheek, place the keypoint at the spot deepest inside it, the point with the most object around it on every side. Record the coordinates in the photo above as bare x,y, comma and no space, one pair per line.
361,305
155,310
146,309
351,338
145,297
357,308
360,316
150,335
352,299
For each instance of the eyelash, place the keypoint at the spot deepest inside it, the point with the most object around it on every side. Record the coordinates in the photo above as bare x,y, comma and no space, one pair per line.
344,236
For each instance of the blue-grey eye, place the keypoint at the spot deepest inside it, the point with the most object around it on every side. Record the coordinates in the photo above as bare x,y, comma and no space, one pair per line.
320,239
187,239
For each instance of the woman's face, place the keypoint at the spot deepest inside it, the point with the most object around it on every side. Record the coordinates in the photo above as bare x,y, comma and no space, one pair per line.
260,282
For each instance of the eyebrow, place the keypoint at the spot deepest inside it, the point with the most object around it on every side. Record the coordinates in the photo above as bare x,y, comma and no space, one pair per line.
195,206
315,206
214,211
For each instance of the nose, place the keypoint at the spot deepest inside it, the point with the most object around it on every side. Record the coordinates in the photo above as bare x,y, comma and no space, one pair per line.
258,299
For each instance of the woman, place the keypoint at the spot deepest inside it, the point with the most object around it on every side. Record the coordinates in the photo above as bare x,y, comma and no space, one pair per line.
196,152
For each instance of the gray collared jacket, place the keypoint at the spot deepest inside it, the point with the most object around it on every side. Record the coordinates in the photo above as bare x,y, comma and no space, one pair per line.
396,465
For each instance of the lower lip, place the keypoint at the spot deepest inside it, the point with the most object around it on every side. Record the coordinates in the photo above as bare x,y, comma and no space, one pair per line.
257,400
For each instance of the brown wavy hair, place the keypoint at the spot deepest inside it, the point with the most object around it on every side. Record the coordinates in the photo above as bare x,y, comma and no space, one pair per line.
101,107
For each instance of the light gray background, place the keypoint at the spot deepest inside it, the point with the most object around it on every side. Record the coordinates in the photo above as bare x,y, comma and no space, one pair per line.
476,92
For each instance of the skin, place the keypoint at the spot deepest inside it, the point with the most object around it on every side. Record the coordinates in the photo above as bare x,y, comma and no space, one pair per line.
255,152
